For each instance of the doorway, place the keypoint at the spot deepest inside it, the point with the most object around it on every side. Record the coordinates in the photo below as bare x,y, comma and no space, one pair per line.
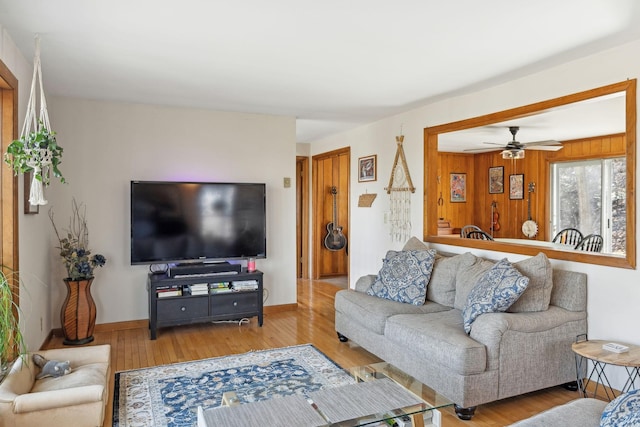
302,217
330,219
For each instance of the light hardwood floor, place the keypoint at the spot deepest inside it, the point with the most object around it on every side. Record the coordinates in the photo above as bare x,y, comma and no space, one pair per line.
312,322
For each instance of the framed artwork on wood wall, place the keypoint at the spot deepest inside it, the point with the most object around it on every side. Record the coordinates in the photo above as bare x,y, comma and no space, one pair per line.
496,180
367,168
516,186
458,185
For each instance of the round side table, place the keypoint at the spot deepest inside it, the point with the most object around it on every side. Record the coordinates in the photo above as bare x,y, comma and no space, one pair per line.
592,350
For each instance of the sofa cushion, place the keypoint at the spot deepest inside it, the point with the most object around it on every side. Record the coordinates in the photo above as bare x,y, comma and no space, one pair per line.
466,279
438,337
442,286
622,411
372,312
415,244
404,277
496,291
538,294
85,375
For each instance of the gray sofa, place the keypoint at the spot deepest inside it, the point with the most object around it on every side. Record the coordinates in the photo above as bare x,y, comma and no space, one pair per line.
506,353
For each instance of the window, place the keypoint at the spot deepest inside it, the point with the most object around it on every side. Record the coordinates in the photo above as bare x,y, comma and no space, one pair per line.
590,195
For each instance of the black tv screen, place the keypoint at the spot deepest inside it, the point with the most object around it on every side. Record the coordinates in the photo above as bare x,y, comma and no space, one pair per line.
187,221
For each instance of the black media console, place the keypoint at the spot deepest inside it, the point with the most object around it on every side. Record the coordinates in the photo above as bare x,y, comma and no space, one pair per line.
199,298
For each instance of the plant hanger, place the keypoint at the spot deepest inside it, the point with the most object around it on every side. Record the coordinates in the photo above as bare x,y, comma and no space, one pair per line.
36,150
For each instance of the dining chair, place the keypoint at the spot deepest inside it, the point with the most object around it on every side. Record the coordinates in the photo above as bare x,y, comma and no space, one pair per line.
467,228
568,236
591,243
478,235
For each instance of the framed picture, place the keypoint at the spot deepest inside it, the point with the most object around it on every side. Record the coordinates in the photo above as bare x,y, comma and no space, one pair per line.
516,186
28,207
367,168
458,184
496,180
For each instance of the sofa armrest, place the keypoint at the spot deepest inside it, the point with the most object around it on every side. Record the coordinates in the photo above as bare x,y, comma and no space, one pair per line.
365,282
52,399
489,324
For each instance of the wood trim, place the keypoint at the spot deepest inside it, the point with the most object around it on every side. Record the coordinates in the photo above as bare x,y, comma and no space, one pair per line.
431,175
272,309
303,226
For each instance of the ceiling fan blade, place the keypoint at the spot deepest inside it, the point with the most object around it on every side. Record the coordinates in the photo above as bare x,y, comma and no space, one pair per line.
547,142
543,147
484,150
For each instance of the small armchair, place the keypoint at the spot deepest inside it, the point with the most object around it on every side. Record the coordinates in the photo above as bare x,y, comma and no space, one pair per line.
77,399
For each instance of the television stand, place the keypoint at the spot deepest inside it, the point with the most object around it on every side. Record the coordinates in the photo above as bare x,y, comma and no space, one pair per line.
175,301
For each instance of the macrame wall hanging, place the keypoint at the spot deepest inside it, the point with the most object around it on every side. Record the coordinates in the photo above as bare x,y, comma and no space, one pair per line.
36,151
399,190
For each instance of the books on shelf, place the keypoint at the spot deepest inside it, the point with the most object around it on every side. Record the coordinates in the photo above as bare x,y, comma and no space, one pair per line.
245,285
199,289
168,291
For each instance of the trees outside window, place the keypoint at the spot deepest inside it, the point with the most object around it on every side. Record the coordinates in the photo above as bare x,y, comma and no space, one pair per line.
590,195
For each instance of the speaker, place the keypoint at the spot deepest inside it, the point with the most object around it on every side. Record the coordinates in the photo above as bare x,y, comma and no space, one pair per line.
183,270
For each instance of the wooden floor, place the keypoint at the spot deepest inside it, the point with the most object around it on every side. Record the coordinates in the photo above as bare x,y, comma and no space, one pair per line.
312,322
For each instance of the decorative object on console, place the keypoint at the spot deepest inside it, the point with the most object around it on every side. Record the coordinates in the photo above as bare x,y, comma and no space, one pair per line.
78,315
399,189
37,150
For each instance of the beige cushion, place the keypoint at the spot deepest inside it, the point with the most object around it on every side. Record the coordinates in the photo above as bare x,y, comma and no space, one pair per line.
466,279
415,244
538,294
92,374
442,286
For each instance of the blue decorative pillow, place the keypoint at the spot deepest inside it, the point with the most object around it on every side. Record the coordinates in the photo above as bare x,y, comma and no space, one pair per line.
496,290
404,277
622,411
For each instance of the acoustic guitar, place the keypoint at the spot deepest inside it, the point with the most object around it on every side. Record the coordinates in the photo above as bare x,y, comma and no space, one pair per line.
334,240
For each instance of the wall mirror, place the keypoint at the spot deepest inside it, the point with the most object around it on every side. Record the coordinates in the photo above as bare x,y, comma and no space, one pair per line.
503,192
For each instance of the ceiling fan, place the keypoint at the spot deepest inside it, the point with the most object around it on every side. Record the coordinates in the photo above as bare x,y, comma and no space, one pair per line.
515,149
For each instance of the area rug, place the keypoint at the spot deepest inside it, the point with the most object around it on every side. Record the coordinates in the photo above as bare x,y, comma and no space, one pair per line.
169,395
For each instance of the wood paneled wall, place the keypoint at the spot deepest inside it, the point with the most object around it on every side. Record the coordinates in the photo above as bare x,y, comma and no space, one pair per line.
535,168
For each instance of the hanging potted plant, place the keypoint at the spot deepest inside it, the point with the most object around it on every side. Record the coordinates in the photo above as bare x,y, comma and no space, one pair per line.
38,152
37,149
78,315
11,340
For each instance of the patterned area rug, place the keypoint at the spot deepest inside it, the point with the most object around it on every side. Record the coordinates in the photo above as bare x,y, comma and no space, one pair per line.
169,395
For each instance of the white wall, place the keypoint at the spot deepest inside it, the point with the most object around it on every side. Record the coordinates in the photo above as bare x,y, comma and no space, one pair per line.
108,144
613,293
33,229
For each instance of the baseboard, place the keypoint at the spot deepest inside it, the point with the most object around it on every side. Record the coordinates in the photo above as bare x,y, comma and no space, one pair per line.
143,323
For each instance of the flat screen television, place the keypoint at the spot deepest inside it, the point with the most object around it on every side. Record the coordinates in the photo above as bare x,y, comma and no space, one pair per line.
197,221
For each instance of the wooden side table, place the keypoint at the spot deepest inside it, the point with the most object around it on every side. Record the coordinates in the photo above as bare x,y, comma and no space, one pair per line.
592,350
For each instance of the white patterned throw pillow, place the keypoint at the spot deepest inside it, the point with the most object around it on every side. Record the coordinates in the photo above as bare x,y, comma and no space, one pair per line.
404,277
623,411
496,290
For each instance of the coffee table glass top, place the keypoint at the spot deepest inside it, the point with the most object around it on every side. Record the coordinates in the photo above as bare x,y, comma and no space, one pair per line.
381,395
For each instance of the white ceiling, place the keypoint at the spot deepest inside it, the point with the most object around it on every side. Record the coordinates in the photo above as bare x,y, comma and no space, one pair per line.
332,64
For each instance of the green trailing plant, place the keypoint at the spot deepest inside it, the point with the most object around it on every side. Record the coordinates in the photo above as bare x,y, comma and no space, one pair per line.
74,247
12,342
38,152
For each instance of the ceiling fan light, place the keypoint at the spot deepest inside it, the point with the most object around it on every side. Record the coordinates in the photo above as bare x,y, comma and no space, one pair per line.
513,154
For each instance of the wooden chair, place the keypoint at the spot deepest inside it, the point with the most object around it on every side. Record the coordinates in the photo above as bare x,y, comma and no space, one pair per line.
568,236
467,228
591,243
478,235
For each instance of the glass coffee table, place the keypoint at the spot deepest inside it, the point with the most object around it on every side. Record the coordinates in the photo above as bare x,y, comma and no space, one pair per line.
382,395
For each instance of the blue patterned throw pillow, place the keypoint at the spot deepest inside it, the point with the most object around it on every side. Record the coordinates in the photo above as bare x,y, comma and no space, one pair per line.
623,411
496,290
404,277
